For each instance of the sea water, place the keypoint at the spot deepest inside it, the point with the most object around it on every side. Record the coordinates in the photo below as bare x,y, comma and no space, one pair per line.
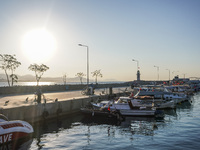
179,129
4,84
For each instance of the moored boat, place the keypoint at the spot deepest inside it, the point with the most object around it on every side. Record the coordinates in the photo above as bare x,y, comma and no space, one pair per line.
122,103
102,113
163,93
138,112
13,130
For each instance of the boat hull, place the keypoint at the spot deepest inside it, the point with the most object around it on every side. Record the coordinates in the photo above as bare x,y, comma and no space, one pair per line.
14,130
146,113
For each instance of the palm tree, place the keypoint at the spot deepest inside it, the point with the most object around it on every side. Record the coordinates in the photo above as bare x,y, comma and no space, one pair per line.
97,73
39,71
80,75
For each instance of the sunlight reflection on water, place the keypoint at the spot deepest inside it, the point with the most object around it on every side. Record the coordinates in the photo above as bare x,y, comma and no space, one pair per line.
27,83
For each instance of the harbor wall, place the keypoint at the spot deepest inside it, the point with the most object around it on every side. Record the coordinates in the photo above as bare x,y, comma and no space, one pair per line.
53,88
45,111
39,112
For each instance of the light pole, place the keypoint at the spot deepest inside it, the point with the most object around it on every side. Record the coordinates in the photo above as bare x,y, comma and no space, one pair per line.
184,75
137,63
138,72
87,61
169,74
157,71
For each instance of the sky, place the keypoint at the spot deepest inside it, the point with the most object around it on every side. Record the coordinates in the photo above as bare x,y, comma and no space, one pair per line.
163,33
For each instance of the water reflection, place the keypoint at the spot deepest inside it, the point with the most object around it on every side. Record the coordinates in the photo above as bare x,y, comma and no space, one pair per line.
185,105
140,125
53,126
133,125
89,131
20,144
170,112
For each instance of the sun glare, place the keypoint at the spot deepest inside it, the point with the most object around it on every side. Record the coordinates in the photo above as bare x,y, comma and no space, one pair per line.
38,45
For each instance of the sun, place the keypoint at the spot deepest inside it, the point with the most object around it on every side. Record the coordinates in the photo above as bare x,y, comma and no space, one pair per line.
38,45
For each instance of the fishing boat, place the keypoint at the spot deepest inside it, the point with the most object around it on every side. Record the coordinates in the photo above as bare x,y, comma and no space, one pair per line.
122,103
13,130
160,92
125,107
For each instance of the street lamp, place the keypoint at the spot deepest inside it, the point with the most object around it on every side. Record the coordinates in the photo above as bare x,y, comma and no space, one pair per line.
137,63
184,75
87,61
157,71
174,72
169,74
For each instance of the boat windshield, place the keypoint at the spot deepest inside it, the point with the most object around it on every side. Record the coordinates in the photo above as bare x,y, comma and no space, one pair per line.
122,100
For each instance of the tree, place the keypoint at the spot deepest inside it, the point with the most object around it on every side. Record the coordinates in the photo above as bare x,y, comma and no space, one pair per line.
97,73
9,63
14,78
39,71
80,75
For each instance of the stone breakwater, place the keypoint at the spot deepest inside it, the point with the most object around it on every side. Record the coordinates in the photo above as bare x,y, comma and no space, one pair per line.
53,88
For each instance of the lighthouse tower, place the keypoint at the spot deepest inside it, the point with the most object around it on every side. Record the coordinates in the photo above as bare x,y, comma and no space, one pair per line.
138,75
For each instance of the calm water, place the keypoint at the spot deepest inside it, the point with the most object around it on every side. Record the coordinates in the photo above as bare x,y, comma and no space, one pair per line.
2,84
28,83
180,129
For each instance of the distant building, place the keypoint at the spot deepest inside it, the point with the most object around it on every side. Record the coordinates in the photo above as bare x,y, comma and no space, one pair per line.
138,75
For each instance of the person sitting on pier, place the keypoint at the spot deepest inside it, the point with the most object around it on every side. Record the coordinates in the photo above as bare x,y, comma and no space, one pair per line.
39,95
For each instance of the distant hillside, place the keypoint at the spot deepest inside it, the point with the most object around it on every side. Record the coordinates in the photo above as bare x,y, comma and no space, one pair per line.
31,78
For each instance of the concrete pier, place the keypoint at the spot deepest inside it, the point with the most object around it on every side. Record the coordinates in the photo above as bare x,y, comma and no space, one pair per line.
37,112
67,103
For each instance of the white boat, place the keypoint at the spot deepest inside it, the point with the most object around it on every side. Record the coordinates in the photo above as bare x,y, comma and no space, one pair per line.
13,130
138,112
177,97
162,93
122,103
126,107
158,103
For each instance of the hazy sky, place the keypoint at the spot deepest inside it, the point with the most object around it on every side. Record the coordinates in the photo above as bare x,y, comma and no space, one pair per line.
164,33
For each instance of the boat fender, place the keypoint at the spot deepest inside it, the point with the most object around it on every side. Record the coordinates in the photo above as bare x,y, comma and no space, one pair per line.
45,114
93,113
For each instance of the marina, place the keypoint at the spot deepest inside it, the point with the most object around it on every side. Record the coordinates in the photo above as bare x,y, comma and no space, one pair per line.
99,75
179,129
131,117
